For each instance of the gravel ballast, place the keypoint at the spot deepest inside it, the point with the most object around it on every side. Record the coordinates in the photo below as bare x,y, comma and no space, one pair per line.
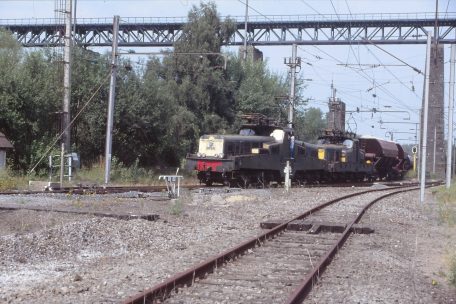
49,257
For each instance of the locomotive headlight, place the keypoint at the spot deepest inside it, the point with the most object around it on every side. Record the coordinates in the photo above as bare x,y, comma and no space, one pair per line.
343,157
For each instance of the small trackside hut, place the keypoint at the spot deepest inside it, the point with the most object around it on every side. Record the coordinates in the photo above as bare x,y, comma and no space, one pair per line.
4,146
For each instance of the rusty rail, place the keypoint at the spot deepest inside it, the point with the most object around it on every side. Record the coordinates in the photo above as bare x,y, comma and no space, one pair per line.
309,281
163,290
98,190
120,216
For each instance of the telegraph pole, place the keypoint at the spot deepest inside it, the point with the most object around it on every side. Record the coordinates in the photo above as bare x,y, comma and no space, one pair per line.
112,93
450,119
425,118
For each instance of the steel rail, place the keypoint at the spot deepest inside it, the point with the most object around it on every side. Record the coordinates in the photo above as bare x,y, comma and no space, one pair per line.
122,189
187,278
119,216
306,286
98,190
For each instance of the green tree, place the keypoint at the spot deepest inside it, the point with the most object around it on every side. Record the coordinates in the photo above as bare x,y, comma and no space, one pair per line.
187,93
27,100
259,91
89,71
198,68
308,124
161,109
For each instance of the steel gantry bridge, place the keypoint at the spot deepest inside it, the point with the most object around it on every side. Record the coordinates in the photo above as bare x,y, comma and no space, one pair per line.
261,30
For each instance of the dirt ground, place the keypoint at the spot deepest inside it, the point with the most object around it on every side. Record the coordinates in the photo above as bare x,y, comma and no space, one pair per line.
51,257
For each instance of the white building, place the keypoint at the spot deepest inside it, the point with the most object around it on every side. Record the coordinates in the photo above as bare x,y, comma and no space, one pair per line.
4,145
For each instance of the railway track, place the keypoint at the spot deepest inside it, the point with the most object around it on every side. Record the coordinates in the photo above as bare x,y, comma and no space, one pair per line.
279,266
99,190
146,189
130,216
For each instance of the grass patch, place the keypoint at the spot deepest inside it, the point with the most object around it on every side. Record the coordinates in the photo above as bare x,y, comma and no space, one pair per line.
447,212
132,175
452,270
411,174
177,207
447,204
11,181
120,174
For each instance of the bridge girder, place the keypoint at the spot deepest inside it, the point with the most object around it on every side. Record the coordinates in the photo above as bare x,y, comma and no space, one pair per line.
165,34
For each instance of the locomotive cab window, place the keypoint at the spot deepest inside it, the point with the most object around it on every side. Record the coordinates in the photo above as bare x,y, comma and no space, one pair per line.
246,132
230,149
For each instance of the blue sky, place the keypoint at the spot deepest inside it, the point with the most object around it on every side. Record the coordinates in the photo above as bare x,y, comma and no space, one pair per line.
391,86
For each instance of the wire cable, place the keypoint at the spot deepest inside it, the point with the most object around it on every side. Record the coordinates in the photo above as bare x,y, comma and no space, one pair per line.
51,146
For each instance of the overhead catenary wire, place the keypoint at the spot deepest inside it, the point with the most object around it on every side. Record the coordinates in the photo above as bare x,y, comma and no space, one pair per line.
361,73
394,56
351,48
367,77
394,75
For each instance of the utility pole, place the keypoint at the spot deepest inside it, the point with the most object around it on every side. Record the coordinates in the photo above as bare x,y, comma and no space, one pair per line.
450,119
67,77
65,144
292,62
112,93
425,118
